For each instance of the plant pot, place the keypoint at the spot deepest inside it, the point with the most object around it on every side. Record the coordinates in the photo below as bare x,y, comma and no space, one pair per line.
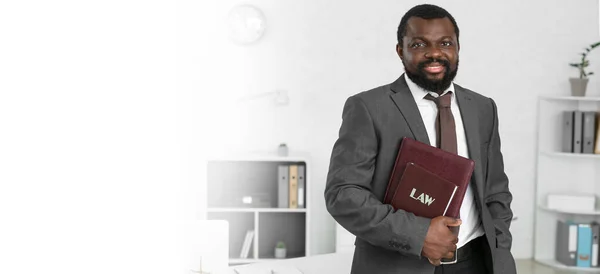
578,86
280,253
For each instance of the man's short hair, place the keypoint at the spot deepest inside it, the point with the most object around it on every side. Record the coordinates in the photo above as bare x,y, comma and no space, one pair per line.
425,11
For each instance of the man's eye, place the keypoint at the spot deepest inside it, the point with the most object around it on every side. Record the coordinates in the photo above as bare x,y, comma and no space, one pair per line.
446,44
417,45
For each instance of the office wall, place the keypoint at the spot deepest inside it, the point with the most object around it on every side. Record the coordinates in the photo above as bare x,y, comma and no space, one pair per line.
321,52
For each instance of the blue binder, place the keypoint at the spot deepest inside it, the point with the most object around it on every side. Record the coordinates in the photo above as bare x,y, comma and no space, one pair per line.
584,246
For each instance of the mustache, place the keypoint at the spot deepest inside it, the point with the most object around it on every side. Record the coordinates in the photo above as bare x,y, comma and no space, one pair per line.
444,63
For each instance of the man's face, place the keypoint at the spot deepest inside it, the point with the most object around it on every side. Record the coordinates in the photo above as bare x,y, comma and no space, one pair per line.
430,53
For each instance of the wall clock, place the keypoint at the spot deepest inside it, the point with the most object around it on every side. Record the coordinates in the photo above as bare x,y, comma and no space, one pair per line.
246,24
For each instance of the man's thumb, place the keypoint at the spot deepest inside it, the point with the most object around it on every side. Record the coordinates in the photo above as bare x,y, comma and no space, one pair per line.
452,221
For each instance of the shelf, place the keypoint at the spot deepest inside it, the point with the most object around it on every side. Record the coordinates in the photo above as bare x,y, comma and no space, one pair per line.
571,98
572,155
555,264
282,210
258,158
570,211
249,261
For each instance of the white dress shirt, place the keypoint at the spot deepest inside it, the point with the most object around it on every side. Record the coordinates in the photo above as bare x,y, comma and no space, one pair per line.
471,224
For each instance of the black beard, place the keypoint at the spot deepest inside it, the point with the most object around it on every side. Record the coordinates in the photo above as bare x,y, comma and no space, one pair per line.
420,78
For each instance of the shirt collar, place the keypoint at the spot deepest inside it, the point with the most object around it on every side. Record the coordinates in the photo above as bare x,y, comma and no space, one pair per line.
419,93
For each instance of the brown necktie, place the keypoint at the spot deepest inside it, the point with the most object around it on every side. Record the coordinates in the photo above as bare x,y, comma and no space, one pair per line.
446,136
444,123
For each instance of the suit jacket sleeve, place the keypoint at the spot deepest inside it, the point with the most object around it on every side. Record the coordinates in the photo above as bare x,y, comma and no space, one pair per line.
348,194
498,196
497,200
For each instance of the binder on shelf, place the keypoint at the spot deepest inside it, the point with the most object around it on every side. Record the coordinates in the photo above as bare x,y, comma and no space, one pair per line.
577,131
597,150
584,245
301,186
589,132
566,243
283,186
247,244
567,129
595,246
293,195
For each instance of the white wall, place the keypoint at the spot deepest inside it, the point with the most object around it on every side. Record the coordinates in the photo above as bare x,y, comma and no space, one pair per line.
88,137
321,52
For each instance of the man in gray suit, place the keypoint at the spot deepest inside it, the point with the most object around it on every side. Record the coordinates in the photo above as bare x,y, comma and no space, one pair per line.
374,122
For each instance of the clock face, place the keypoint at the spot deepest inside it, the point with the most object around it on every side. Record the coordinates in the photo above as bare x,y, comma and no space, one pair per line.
246,24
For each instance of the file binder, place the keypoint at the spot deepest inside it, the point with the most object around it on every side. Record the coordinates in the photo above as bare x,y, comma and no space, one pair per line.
577,131
595,246
566,243
584,245
567,129
283,186
597,150
301,186
293,194
589,132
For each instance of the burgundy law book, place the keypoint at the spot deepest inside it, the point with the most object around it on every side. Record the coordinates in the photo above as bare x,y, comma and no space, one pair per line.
423,193
449,166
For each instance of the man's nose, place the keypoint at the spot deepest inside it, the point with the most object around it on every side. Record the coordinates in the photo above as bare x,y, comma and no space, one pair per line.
434,53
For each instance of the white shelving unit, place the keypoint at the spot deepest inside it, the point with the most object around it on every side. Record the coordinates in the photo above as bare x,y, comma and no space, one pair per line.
288,210
231,178
563,173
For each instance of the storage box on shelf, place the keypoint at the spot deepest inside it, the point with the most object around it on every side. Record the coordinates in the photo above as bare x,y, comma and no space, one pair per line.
562,172
248,193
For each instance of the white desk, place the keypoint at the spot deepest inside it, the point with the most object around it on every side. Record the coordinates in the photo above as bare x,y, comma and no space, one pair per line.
333,263
206,243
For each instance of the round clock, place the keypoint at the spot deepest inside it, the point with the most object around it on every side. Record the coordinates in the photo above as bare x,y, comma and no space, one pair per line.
246,24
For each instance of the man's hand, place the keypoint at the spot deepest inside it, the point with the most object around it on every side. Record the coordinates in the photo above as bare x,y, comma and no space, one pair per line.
440,242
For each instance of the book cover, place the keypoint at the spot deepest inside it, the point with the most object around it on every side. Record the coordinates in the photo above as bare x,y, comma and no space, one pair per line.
449,166
423,193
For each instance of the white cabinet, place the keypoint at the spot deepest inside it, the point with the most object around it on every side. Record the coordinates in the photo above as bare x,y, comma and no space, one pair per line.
559,172
245,192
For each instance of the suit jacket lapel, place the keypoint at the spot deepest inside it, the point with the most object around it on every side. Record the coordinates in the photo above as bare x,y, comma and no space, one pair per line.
469,114
405,102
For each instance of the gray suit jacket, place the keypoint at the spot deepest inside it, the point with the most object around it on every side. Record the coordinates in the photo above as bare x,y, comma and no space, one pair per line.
362,159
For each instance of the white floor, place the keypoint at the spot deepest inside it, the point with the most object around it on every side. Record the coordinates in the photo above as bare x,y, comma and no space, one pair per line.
338,263
530,267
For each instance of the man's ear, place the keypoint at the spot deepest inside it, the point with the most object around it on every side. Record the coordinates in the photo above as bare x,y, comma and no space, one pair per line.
399,50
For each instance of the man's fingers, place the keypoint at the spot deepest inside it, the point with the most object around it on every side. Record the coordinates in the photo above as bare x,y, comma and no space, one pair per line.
448,221
435,262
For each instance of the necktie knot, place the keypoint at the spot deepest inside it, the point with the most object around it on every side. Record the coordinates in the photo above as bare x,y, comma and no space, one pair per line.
441,101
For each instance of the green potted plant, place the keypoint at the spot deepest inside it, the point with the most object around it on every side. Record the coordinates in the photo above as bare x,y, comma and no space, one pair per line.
579,85
280,250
